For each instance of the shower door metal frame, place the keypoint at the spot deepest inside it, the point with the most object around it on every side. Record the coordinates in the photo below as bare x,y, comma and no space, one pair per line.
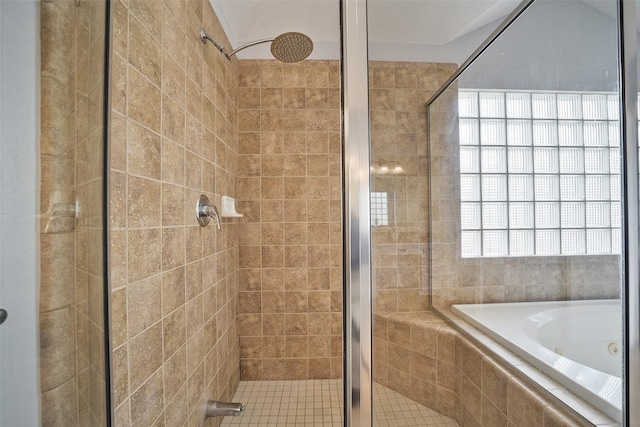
357,301
629,128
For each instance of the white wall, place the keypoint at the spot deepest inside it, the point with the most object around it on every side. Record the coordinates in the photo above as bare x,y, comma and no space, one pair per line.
554,45
19,93
455,52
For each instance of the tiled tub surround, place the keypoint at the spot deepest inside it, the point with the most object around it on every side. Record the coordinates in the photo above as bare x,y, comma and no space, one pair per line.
72,367
174,283
437,365
579,357
289,191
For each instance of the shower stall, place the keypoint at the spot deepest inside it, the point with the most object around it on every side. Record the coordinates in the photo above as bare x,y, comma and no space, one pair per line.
413,241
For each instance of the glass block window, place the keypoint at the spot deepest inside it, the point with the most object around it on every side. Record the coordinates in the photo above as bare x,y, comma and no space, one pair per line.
539,173
379,209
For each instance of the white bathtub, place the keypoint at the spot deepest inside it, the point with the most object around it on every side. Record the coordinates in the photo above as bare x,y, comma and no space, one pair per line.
577,343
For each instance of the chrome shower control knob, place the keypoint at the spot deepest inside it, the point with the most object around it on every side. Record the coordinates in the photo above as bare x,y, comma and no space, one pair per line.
205,211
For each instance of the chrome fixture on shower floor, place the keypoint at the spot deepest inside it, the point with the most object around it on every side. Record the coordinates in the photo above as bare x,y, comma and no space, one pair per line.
214,408
287,47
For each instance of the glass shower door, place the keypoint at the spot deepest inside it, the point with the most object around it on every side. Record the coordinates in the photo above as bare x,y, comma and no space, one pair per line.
73,290
53,360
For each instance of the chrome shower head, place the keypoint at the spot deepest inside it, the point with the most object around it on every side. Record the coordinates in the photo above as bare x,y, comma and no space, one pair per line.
291,47
287,47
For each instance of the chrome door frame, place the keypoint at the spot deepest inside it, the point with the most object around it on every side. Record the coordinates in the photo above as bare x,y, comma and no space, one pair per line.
357,300
631,269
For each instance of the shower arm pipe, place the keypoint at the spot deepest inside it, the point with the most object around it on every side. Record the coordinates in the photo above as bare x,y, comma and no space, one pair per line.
204,37
244,46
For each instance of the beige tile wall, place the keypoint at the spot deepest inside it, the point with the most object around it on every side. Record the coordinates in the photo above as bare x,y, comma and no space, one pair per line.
174,284
72,367
508,279
289,185
398,95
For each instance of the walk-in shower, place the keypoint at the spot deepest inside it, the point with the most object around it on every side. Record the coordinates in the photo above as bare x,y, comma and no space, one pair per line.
400,235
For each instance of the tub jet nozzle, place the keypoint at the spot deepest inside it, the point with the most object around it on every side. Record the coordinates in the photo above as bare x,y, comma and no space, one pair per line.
213,408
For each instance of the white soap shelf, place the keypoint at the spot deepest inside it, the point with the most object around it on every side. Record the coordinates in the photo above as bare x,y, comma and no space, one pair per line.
228,208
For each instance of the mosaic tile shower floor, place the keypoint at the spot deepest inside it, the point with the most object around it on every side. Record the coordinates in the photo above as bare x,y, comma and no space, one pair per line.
318,403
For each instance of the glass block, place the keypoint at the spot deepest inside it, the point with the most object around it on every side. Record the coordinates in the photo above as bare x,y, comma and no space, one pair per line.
545,133
613,107
492,132
518,132
518,105
614,134
573,242
545,160
547,215
494,215
547,242
495,243
520,188
616,216
494,160
521,215
571,160
470,216
597,187
468,104
521,242
543,106
469,133
470,188
520,160
596,160
570,133
494,188
614,187
471,243
546,187
614,160
598,214
469,160
572,215
596,134
599,241
572,187
569,106
594,107
616,241
491,104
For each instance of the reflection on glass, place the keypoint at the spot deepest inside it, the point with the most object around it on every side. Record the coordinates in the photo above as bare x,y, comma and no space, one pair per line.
73,368
546,167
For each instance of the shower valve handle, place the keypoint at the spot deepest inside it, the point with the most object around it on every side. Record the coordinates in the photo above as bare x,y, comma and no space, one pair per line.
205,211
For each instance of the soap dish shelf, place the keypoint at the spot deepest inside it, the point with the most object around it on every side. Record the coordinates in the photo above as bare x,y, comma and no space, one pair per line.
228,208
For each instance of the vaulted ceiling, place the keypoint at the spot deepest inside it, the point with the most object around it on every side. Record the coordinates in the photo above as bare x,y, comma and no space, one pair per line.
435,30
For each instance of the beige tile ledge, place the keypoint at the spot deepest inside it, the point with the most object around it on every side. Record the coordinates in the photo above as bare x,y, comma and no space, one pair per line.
476,381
